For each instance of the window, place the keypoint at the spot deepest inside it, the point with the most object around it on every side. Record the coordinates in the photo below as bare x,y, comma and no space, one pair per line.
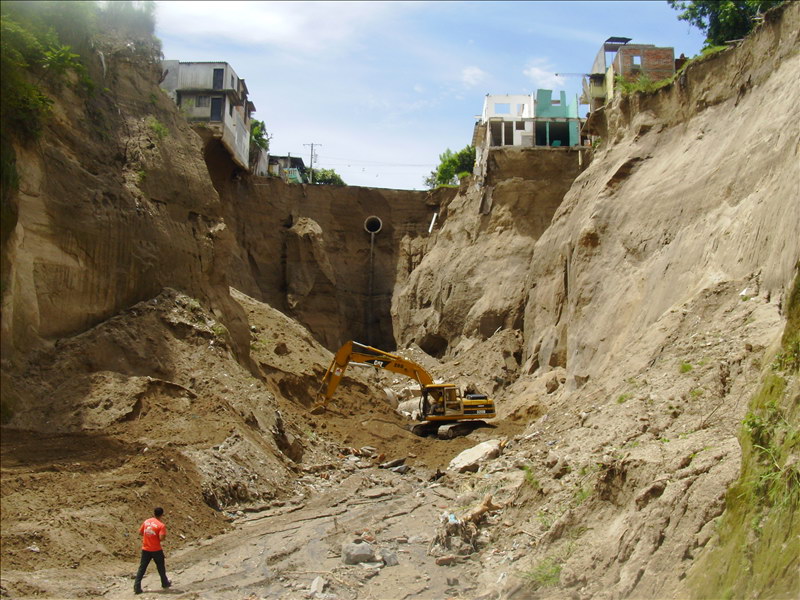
232,86
637,61
203,101
230,108
217,80
520,125
502,108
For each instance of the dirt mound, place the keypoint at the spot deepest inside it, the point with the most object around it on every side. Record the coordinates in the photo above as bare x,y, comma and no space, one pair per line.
151,408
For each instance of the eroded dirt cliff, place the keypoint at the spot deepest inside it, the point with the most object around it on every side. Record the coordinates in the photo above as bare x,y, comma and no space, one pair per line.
649,302
167,321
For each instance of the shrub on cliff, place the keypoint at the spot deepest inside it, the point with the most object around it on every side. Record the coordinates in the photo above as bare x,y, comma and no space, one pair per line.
452,166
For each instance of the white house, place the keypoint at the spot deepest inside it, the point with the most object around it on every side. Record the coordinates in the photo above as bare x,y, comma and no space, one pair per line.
212,93
528,120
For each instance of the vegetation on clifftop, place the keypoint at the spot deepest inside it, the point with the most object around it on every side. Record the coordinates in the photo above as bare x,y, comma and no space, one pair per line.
43,47
722,20
452,167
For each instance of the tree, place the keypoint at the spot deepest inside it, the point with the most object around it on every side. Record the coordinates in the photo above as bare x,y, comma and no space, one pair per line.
722,20
259,140
327,177
452,167
259,135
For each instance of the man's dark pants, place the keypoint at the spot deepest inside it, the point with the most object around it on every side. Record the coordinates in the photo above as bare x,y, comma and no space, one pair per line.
147,556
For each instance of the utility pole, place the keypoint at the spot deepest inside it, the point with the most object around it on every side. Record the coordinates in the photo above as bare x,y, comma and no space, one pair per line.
313,156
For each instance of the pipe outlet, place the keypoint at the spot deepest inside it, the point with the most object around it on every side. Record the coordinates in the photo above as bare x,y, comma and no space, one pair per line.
373,224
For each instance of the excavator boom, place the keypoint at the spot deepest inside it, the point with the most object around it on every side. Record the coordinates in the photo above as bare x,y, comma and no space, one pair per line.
440,402
353,352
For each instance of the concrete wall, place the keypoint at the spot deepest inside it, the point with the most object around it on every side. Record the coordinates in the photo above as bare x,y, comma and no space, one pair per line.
200,76
519,105
546,108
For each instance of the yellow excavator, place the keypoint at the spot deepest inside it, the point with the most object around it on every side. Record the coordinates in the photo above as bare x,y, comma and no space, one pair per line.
442,407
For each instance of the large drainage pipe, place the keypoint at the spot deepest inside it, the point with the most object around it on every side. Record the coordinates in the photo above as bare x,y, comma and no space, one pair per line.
372,225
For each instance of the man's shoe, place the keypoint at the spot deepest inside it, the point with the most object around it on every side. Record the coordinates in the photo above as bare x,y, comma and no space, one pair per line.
137,590
169,584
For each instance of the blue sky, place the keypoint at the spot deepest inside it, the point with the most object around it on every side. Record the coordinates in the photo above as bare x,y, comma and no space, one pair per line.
383,88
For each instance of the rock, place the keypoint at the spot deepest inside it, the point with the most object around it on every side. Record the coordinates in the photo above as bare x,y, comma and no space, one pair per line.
560,469
452,581
551,460
357,552
378,492
444,561
472,458
392,463
389,558
400,469
318,585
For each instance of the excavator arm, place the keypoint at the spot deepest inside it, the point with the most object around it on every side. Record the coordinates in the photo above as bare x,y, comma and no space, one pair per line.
440,402
353,352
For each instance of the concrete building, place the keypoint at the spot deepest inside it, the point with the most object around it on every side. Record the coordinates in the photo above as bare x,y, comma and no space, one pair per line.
617,57
211,93
290,168
528,120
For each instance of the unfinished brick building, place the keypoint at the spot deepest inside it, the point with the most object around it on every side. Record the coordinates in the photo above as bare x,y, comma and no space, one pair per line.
628,60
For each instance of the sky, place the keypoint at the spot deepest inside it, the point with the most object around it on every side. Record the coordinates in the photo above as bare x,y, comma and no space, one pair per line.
383,88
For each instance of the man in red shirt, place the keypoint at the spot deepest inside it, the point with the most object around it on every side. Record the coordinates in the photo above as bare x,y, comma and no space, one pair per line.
152,531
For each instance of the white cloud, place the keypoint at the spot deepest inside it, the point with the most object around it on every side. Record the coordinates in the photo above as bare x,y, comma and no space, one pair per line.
419,88
305,27
541,73
472,76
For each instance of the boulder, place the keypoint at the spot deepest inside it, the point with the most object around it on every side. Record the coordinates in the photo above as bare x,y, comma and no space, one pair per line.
472,458
357,552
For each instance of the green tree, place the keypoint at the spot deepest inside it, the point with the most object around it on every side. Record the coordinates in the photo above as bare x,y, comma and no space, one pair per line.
452,167
259,135
259,140
327,177
722,20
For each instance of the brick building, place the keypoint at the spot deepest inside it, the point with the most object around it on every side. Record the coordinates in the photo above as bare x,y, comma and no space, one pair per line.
617,57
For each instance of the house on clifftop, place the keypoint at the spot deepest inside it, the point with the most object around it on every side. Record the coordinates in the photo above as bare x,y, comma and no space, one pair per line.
617,57
210,93
528,120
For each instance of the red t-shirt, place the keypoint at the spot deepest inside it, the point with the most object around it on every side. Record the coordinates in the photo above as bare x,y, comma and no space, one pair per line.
152,530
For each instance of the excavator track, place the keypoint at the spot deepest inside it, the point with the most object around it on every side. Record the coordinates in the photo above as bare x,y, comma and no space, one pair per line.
446,430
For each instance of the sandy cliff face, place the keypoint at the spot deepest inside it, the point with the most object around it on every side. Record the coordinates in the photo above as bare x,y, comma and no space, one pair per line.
305,250
645,308
115,203
697,186
470,282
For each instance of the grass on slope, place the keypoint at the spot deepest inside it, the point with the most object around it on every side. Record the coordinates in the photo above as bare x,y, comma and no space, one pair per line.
758,554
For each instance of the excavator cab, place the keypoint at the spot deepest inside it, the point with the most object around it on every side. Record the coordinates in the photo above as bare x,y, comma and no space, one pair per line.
441,400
